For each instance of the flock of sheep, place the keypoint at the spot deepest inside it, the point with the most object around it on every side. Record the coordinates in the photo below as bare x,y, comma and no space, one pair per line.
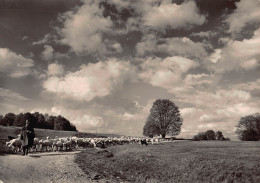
70,143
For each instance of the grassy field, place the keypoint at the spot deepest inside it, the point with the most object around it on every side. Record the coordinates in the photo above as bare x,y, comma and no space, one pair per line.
41,134
182,161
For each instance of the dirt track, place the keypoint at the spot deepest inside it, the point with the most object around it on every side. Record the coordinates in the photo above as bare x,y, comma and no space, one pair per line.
41,167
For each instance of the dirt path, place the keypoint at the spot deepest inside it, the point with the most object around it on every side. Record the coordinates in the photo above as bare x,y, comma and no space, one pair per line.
41,167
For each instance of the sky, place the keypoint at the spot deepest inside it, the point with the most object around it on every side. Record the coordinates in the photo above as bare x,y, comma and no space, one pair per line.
102,64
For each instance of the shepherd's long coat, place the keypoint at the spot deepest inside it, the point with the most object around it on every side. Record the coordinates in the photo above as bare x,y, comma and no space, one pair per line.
27,136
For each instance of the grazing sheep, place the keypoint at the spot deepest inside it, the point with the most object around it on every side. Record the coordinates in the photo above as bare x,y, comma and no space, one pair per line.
15,145
58,145
68,144
36,144
46,143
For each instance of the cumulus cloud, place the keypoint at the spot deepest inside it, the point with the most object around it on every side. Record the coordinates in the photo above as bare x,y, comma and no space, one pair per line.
220,97
47,53
239,109
250,64
166,72
207,34
198,79
55,69
170,15
89,28
248,86
92,80
128,116
14,65
214,57
83,30
217,110
237,54
247,13
207,126
171,46
88,122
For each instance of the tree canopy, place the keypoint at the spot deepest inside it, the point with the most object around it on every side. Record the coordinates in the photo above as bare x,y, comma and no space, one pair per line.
210,135
38,120
248,128
164,119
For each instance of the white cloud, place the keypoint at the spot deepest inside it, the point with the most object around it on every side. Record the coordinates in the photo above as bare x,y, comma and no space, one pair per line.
247,12
250,64
207,126
9,95
197,79
214,57
24,38
239,109
249,86
172,46
236,55
187,112
170,15
47,53
83,30
166,72
183,47
148,44
128,116
88,122
223,40
92,80
207,34
14,65
117,47
55,69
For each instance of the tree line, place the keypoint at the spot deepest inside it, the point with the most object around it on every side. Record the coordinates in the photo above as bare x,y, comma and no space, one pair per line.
38,120
210,135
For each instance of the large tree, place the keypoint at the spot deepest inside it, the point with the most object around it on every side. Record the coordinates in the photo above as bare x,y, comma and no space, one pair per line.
248,128
219,135
164,118
211,135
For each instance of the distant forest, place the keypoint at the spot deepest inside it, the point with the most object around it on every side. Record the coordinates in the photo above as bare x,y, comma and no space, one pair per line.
38,120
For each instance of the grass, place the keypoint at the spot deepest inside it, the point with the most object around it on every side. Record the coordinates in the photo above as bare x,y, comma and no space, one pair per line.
182,161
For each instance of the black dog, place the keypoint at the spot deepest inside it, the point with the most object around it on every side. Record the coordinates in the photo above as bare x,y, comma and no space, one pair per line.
144,142
10,138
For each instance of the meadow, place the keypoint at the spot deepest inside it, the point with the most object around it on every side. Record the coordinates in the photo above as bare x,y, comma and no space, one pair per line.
174,161
179,161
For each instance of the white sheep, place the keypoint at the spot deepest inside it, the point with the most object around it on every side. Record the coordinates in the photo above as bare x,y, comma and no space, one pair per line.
15,144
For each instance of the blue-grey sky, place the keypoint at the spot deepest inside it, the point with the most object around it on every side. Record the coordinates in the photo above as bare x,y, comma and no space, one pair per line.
101,64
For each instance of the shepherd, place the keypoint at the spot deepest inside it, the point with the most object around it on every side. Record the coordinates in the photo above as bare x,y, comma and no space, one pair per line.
27,137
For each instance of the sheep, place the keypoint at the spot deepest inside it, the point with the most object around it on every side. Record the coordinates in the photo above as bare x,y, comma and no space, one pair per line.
36,144
15,145
46,143
68,144
58,145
